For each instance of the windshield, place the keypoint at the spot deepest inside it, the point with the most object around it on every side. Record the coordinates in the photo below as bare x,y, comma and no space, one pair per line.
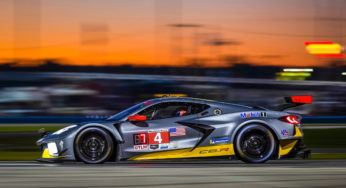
130,110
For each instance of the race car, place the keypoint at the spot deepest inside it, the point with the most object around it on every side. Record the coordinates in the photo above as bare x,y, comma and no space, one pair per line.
179,128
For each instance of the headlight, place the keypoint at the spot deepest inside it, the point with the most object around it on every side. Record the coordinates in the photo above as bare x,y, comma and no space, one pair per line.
64,129
52,149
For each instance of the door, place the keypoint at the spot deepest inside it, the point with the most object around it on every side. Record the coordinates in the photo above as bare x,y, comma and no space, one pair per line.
162,130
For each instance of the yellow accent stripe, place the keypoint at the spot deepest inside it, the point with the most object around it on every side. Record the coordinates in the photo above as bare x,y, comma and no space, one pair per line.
285,146
204,151
297,131
46,155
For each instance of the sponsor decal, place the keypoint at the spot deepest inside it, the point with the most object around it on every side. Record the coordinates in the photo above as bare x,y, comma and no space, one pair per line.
243,115
214,150
253,114
219,140
158,139
263,114
140,147
157,130
154,147
203,151
217,111
163,146
177,131
284,132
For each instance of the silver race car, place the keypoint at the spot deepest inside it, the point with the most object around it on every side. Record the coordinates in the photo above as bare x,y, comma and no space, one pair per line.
179,128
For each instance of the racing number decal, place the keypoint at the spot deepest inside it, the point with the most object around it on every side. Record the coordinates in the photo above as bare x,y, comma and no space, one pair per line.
159,137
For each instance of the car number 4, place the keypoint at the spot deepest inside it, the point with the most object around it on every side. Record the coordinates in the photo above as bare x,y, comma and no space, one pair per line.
158,138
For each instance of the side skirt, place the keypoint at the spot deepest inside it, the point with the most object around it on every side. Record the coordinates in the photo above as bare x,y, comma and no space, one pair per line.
199,152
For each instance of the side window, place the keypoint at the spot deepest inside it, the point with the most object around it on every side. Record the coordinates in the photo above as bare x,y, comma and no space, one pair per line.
197,108
149,112
172,109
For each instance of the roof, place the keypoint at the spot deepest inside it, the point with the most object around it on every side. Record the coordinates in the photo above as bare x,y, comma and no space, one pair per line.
184,99
198,100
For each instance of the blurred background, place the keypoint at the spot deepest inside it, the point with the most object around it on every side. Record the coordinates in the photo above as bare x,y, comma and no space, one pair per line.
63,62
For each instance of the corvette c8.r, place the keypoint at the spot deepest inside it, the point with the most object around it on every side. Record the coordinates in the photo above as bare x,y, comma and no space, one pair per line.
176,128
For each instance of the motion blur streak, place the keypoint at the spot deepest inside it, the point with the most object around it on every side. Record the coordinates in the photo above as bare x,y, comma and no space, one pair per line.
298,70
287,173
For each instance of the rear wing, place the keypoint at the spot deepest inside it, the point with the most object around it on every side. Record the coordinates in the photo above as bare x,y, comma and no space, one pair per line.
295,101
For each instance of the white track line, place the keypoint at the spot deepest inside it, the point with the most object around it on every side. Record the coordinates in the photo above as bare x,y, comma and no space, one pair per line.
19,164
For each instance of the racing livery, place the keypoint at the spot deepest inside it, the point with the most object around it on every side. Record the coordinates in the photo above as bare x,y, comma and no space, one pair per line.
180,127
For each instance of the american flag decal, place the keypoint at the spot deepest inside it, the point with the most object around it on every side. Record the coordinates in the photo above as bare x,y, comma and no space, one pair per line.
177,131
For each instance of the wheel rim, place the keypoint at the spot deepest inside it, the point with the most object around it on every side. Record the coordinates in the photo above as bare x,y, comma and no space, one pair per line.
255,144
93,146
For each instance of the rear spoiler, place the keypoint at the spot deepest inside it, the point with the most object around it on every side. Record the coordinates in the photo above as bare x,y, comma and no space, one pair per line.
294,101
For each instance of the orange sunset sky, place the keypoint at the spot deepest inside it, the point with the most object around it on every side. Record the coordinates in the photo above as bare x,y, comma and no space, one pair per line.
138,32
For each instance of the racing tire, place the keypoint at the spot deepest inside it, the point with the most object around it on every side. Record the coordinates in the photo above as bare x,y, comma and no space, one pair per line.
93,145
255,144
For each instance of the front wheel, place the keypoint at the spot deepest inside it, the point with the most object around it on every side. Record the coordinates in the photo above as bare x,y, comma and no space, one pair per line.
255,144
93,145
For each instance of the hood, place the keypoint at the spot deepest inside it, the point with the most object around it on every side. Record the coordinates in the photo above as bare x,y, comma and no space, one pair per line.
69,130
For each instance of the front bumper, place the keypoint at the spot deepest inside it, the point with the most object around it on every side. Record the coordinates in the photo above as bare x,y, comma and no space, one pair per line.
50,153
56,148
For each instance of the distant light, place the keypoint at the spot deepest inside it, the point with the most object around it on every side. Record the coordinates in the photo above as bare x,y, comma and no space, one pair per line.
303,74
298,70
343,73
324,49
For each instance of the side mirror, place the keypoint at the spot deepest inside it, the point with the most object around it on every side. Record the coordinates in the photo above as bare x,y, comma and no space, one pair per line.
137,118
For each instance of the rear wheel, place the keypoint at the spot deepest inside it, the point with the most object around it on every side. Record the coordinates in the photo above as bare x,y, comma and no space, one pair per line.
93,145
255,144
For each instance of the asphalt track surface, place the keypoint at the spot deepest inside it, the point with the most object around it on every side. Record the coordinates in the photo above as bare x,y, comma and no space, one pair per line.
280,173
